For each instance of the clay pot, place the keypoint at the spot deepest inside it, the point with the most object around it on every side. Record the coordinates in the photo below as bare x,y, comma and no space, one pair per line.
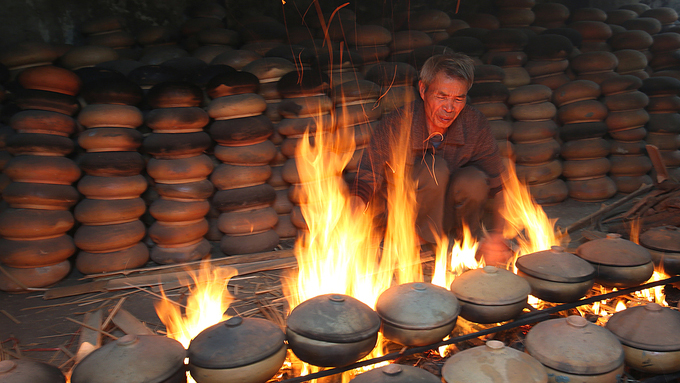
42,169
50,78
408,316
247,221
591,189
663,246
537,151
490,295
573,349
630,165
36,253
649,335
112,187
186,190
111,164
228,176
33,277
626,119
26,370
37,224
106,212
556,276
108,238
241,131
188,169
237,106
243,350
180,254
629,184
177,120
257,154
249,243
42,121
24,195
589,148
396,373
174,94
179,211
550,192
39,144
350,335
130,258
539,173
110,140
176,145
578,169
632,134
619,263
582,111
134,359
110,116
469,366
177,233
244,198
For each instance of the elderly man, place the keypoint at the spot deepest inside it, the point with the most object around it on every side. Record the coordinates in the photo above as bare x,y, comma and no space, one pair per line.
455,158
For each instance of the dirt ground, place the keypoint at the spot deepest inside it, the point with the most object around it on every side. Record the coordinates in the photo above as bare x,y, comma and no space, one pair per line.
40,329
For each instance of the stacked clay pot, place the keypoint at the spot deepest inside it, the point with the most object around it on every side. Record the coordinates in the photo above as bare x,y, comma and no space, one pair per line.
108,31
5,155
110,234
505,48
548,60
269,70
35,246
371,43
431,21
19,56
638,8
536,149
515,13
244,198
666,51
179,169
663,128
260,35
626,105
595,66
213,42
341,65
617,17
201,16
550,15
631,48
404,42
595,33
489,95
584,149
667,16
305,109
397,84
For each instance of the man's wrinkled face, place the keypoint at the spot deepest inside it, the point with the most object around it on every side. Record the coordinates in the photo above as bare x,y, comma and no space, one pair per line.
444,99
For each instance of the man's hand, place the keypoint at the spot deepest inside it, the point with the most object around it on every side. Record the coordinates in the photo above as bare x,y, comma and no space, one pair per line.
495,250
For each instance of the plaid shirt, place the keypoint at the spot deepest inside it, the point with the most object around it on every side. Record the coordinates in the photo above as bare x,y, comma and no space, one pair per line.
468,141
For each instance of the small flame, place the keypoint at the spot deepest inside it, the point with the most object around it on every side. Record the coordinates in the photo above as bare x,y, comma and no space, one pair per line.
462,258
206,304
620,306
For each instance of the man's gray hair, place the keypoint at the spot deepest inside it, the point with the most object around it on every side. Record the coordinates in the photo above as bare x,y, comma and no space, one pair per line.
453,65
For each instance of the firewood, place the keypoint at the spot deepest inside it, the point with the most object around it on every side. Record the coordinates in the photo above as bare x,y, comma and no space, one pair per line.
85,325
90,338
129,324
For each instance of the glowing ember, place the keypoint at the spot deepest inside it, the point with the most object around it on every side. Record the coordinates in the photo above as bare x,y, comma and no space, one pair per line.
206,305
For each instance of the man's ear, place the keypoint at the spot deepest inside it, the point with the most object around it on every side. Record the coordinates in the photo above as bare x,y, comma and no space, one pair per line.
421,89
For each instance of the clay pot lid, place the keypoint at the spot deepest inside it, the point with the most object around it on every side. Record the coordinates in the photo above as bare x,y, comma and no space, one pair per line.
417,306
664,238
472,364
334,318
396,373
574,345
650,327
171,94
235,342
614,251
556,265
28,371
490,286
231,83
132,358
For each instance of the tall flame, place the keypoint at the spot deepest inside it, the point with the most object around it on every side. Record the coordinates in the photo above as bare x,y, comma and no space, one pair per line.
461,258
206,304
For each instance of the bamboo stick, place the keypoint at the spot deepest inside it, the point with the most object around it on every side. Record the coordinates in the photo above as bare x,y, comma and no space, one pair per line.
90,338
92,328
129,324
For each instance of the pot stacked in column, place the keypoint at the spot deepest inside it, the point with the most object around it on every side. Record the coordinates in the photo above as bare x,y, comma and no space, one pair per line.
244,198
489,95
505,48
307,110
584,149
515,13
404,42
180,171
5,156
370,42
594,34
108,31
626,104
269,70
35,246
534,135
664,121
550,15
665,51
431,21
631,48
341,65
594,66
548,60
110,234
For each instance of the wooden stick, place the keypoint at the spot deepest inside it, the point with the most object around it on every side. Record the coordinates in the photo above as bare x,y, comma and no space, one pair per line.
129,324
11,277
90,338
92,328
113,312
583,222
66,351
8,315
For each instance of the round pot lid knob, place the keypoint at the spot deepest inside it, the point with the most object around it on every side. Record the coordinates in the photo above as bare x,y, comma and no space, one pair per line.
335,298
7,366
557,249
577,321
127,340
653,307
233,322
392,369
490,270
419,287
495,345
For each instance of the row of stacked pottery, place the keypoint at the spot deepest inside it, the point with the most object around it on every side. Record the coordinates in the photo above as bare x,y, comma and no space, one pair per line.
244,198
405,42
433,22
536,149
110,234
179,169
35,244
584,149
548,60
663,127
357,112
489,95
594,33
625,123
515,13
307,109
371,43
397,84
595,66
505,48
550,15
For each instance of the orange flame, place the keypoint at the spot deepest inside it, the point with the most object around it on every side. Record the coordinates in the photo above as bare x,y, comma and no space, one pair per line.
461,259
